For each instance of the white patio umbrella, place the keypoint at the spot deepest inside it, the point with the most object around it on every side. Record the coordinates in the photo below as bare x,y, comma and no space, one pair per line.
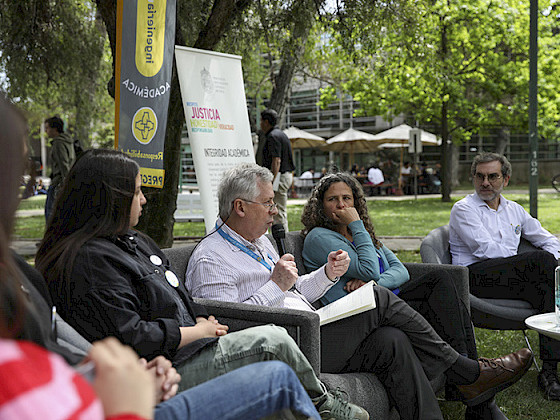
302,139
352,141
400,135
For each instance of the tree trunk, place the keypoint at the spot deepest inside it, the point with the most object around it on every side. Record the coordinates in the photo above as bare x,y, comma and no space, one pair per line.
446,164
454,149
108,11
304,12
502,140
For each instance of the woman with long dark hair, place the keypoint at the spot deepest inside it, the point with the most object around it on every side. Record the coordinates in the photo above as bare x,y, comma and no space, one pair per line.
336,217
26,370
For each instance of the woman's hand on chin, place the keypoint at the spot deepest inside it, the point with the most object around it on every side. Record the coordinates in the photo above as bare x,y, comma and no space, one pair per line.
345,215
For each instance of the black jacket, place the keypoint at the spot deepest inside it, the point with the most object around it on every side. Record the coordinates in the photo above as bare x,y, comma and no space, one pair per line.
119,288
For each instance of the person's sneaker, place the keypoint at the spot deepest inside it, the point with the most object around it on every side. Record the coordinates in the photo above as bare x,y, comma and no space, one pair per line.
496,375
337,407
548,383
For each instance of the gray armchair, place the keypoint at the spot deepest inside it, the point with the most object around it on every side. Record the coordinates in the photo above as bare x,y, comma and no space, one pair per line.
495,314
303,326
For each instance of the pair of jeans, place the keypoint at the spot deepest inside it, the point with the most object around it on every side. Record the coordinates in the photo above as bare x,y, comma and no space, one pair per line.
251,392
252,345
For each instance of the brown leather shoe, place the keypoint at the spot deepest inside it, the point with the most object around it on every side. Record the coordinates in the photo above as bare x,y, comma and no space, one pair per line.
496,375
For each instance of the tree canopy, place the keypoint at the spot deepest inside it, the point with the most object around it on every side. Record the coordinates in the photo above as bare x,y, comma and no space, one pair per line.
461,67
55,60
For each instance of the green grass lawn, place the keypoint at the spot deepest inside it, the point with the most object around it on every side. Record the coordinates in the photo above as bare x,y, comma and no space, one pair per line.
29,227
520,401
33,203
390,218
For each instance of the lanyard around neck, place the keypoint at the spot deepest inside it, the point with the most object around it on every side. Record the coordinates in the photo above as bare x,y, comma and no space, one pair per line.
243,248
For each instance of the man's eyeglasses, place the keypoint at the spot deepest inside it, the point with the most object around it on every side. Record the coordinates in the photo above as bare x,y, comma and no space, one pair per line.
270,205
492,178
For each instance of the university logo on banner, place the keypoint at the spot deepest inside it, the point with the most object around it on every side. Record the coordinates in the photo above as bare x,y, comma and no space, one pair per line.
145,43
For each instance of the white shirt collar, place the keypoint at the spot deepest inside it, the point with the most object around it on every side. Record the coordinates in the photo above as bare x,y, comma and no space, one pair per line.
504,202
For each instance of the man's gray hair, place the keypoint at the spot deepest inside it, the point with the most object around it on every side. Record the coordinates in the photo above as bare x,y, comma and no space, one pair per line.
240,182
485,157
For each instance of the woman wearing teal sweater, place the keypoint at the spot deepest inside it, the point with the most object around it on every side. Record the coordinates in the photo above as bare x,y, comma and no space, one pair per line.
336,217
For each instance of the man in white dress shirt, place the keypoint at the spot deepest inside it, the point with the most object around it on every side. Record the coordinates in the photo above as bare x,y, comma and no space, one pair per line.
236,262
484,233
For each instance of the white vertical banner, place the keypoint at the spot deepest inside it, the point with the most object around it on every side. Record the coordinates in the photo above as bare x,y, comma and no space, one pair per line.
215,107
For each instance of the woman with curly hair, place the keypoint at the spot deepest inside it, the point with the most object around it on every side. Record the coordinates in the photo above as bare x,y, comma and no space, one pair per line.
336,217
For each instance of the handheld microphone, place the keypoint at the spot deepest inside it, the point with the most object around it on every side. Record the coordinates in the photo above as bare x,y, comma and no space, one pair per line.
279,235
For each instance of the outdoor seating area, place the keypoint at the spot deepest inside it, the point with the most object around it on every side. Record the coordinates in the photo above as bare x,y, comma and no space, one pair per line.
290,210
346,145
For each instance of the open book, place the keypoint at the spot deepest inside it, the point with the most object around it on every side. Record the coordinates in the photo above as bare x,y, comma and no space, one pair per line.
360,300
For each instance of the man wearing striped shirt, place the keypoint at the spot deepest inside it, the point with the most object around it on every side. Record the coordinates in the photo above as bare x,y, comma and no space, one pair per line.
237,263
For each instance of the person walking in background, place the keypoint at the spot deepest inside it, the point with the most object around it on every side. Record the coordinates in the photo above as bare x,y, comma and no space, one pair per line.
62,158
277,156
